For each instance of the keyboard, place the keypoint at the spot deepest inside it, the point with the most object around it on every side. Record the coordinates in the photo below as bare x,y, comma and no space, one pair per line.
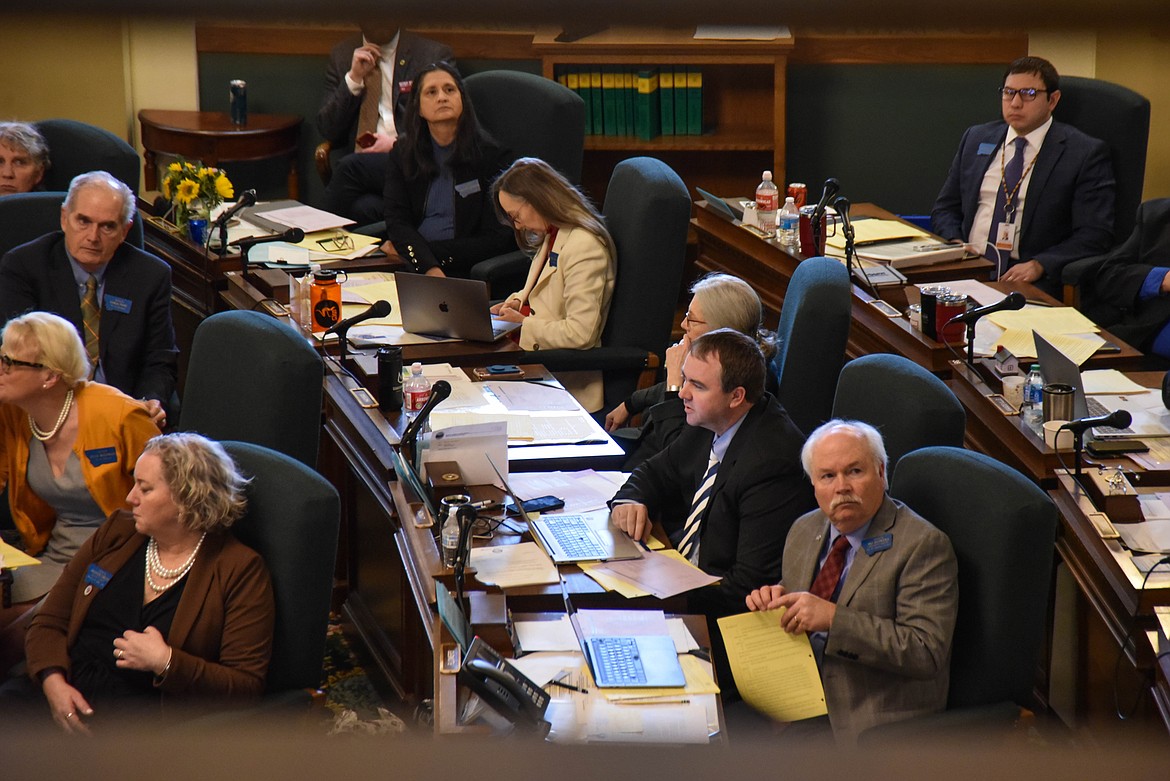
616,661
1097,409
574,536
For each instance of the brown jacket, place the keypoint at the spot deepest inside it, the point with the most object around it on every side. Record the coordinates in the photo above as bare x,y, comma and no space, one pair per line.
222,630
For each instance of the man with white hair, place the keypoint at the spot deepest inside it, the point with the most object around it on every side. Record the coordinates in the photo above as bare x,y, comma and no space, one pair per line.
117,296
873,584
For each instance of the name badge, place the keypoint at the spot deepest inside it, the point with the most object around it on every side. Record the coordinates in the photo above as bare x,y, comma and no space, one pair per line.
405,87
552,259
470,187
102,455
1005,237
985,149
96,576
877,544
116,304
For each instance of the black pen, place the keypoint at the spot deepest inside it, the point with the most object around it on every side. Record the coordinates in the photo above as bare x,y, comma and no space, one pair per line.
568,686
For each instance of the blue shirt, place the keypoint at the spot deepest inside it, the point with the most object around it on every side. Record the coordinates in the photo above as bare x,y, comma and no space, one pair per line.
438,223
1152,288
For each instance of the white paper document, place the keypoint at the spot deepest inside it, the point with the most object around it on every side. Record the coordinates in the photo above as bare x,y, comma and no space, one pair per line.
471,446
508,566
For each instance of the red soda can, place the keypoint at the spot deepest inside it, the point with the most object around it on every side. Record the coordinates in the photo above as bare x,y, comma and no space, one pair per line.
798,192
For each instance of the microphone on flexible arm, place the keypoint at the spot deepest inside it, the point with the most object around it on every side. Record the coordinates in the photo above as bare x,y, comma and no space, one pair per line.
841,204
379,308
439,393
832,187
1116,419
1011,302
247,198
465,515
292,236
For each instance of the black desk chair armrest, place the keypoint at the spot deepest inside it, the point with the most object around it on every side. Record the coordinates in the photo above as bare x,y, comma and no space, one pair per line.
603,358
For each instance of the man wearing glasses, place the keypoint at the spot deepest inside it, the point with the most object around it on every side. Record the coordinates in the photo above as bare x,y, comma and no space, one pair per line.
1028,193
117,296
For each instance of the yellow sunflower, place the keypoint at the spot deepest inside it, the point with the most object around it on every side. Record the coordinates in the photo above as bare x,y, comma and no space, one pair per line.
176,167
187,191
223,186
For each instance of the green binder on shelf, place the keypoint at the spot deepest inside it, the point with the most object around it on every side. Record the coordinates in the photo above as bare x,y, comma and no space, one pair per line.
694,102
666,100
629,77
596,96
681,93
647,112
609,99
578,81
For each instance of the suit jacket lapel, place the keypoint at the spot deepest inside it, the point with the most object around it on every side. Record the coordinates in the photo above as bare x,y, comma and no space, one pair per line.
862,562
118,284
62,295
1046,160
196,591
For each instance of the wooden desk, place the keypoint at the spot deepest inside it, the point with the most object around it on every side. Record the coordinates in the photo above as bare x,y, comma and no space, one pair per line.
1006,437
1110,611
768,267
210,137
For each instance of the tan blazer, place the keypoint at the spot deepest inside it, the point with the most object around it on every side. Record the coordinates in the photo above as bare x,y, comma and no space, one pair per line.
569,296
888,651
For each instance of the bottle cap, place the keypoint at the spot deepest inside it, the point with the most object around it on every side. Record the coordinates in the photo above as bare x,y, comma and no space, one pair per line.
767,176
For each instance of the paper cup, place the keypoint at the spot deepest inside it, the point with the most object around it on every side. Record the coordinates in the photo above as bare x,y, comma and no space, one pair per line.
1063,442
1013,390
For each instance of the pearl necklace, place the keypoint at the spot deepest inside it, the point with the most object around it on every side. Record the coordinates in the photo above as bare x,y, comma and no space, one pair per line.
154,565
45,436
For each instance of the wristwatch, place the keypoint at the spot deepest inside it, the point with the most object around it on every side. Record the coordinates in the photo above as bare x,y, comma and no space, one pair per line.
673,389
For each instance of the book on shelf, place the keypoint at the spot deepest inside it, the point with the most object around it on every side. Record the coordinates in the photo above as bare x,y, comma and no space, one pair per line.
647,117
694,101
666,100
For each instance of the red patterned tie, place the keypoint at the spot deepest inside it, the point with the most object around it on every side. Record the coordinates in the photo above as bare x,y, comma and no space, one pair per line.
826,580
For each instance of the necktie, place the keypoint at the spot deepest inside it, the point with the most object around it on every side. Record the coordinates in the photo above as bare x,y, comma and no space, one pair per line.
825,582
703,495
1012,173
91,321
371,103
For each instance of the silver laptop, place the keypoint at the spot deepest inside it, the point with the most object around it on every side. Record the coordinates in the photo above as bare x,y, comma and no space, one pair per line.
448,307
1055,366
572,538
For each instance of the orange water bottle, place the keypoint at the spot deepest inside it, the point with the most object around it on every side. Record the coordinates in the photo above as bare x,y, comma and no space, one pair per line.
325,300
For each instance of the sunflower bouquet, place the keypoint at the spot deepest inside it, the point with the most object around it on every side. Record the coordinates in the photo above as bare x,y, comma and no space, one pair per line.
194,190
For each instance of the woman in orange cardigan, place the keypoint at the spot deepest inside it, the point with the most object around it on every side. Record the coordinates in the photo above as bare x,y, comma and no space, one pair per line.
67,453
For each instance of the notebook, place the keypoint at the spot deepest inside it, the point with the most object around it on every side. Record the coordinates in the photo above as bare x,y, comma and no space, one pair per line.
449,307
637,661
573,538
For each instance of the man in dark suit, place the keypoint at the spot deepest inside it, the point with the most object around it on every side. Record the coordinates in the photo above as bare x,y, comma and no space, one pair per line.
134,347
732,523
873,584
367,85
1035,210
1131,289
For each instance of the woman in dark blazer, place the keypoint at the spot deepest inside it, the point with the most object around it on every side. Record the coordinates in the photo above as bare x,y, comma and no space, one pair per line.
439,212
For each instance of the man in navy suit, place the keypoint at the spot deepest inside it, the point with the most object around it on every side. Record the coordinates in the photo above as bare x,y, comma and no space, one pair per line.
758,489
136,351
1053,206
367,86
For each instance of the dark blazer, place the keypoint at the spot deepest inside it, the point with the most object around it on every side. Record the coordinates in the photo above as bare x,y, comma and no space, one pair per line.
479,234
888,651
222,630
1068,213
337,118
136,348
759,492
1119,278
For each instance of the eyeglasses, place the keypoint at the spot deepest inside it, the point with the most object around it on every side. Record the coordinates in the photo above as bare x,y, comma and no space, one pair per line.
1028,94
8,362
341,242
692,321
514,219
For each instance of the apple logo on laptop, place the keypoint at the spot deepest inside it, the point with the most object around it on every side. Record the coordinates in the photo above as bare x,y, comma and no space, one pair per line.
443,307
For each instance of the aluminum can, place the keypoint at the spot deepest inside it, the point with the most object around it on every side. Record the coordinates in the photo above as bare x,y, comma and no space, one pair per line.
798,192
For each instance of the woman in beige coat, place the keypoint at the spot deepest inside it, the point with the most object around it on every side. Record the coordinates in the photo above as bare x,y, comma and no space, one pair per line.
566,299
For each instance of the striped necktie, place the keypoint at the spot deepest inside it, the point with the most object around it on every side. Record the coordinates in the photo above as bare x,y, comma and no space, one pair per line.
1012,173
371,106
825,583
690,538
91,321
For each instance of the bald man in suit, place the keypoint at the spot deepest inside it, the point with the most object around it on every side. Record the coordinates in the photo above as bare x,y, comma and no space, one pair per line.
880,606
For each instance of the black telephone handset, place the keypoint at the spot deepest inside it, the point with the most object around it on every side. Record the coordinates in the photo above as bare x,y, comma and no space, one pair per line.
504,688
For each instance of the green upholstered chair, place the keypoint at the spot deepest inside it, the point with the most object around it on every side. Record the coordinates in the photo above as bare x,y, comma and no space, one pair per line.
647,211
810,340
292,521
28,216
1003,529
279,404
77,148
910,406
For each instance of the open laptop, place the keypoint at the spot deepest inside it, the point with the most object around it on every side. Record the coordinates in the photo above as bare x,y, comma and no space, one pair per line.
1055,366
721,205
572,538
627,661
444,306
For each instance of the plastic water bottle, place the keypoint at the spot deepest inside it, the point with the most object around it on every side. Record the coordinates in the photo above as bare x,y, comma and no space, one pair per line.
767,199
450,535
789,222
416,390
1033,395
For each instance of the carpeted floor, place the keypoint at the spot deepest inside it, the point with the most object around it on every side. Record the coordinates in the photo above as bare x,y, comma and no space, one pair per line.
355,705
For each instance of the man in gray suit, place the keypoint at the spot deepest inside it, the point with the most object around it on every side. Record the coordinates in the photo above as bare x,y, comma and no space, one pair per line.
879,607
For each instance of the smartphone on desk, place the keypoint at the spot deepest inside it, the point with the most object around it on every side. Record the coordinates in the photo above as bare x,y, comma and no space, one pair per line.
499,371
541,504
